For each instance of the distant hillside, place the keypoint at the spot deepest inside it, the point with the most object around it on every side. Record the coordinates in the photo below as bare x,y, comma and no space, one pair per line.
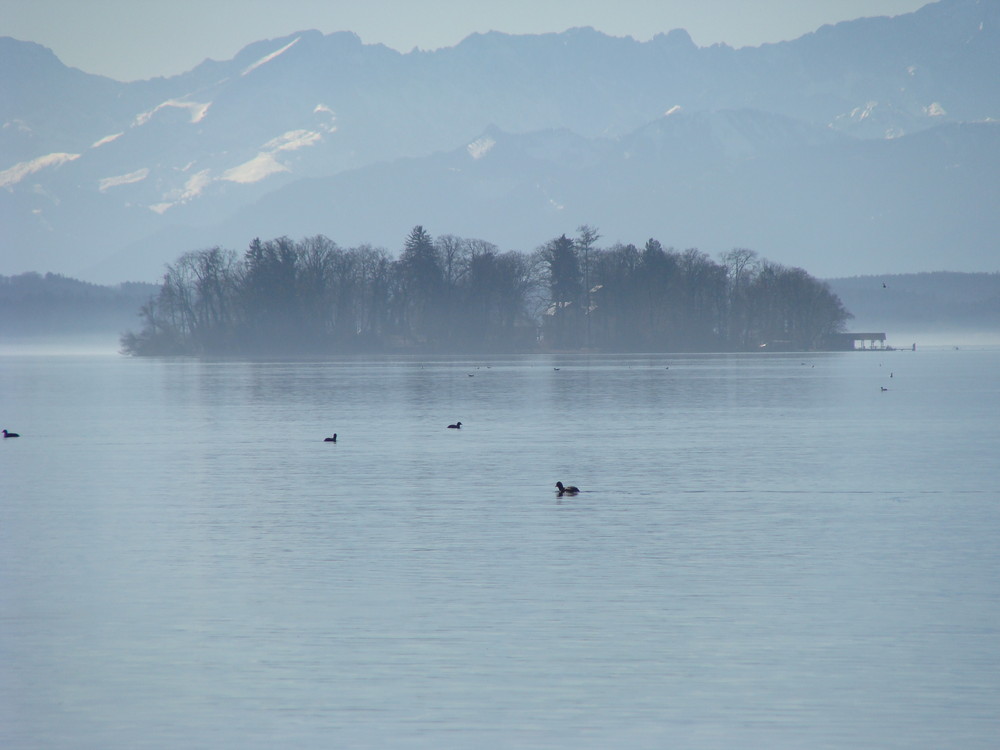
940,302
32,304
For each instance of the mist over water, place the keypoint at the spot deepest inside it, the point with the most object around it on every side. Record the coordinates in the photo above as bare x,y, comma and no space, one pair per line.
769,551
75,345
945,338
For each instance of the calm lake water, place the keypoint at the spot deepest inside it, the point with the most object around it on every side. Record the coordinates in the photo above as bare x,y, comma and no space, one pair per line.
769,552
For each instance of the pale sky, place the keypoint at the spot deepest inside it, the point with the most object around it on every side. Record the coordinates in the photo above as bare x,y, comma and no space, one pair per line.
137,39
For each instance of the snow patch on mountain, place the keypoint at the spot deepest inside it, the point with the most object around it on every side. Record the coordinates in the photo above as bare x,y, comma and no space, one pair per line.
265,163
17,125
194,185
197,110
267,58
18,172
106,139
328,126
124,179
863,113
481,146
293,140
261,166
192,189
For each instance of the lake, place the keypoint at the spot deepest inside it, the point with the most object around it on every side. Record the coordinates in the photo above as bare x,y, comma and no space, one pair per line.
769,551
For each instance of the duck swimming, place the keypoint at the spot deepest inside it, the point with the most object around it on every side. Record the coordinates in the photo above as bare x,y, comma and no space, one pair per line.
331,439
571,490
10,434
456,426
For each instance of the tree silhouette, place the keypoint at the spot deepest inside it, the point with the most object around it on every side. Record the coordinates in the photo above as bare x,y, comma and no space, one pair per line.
565,308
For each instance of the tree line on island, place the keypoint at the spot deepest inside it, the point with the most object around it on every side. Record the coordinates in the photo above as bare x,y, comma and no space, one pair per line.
452,294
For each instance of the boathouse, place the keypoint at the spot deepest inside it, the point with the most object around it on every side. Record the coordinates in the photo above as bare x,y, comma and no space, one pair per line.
846,342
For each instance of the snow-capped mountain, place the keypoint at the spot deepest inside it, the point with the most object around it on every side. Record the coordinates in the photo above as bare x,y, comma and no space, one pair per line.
614,132
810,196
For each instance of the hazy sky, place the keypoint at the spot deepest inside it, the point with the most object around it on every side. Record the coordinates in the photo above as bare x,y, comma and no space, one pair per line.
134,39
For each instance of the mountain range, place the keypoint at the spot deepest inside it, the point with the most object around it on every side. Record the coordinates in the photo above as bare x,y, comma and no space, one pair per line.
868,146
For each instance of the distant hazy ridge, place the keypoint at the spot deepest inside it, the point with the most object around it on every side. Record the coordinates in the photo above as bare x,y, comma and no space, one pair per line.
925,302
868,146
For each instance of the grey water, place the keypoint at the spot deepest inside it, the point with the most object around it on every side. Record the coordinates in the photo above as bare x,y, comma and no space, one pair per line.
769,551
